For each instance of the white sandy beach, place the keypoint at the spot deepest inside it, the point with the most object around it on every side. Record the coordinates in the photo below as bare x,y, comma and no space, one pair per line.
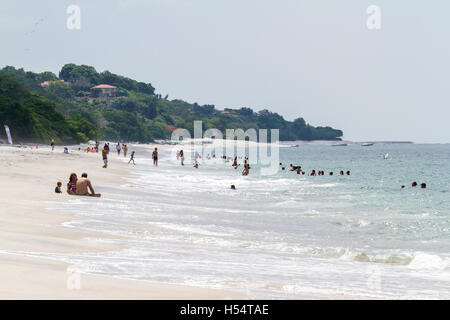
28,178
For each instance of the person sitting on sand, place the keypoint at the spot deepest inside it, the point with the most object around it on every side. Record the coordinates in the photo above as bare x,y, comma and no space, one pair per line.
58,187
132,157
341,173
423,185
331,173
83,186
348,172
233,187
72,184
196,164
414,184
402,187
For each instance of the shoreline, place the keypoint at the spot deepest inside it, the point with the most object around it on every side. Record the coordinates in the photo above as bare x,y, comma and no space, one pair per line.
29,176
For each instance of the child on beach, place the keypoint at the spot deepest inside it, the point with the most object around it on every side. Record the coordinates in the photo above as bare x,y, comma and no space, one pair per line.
132,157
58,187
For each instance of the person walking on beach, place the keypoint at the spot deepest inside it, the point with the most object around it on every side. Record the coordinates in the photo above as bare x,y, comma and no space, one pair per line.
182,157
125,149
246,170
155,157
107,148
96,146
118,148
52,144
105,157
132,157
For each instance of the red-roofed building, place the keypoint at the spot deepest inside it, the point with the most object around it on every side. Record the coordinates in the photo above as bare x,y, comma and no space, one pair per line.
105,90
171,128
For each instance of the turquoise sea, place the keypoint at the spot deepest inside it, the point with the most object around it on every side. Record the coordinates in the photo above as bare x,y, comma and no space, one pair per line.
284,235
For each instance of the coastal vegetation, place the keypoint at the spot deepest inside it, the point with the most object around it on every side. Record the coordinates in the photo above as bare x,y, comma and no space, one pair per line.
80,104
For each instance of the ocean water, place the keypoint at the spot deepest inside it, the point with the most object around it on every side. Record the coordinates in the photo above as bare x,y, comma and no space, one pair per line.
283,235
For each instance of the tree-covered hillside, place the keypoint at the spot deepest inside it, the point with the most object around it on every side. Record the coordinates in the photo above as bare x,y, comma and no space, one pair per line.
135,113
33,118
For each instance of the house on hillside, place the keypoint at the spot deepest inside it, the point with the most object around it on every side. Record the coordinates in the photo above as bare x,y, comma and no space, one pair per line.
105,90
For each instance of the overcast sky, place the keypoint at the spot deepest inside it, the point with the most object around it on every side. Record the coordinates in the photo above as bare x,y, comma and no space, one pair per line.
316,59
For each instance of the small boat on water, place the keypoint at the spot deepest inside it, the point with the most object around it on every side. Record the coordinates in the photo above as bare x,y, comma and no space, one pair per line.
367,144
339,145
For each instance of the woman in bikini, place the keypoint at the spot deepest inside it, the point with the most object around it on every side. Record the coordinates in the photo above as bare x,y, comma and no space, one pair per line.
72,184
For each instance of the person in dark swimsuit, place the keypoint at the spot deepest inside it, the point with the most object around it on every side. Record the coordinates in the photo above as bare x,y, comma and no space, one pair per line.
155,157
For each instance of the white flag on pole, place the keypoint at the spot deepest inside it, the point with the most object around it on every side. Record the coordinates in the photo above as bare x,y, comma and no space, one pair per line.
8,134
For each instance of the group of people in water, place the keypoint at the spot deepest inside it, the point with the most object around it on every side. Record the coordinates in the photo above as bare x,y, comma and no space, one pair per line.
83,186
414,184
119,148
313,172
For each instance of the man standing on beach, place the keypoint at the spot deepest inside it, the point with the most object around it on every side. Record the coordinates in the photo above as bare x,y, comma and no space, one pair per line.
118,148
105,157
155,157
125,149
